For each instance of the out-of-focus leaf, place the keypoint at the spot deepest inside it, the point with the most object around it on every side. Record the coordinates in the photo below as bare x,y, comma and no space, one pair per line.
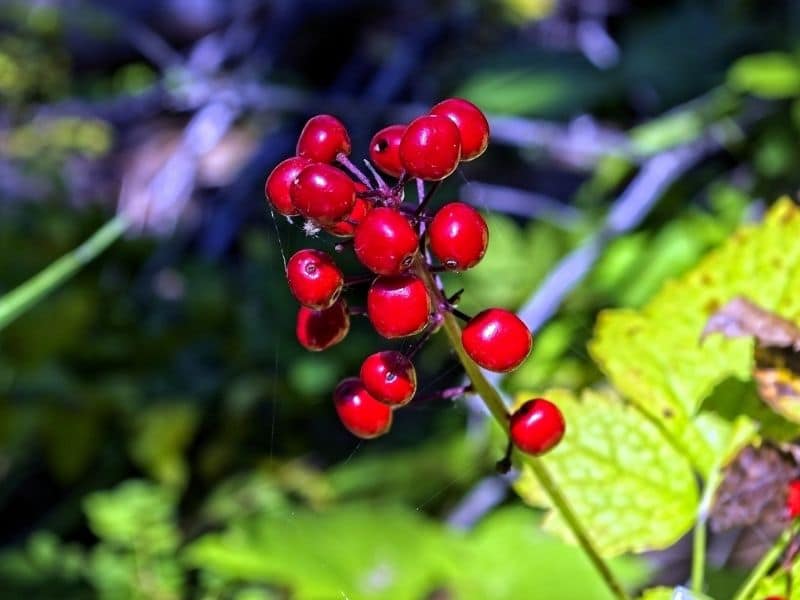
653,355
769,75
630,487
678,593
135,514
161,434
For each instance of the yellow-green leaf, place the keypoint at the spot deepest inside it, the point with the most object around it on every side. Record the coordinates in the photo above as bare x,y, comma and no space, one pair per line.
631,488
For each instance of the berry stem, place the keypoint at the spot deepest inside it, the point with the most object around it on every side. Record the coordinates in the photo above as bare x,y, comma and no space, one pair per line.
426,198
423,339
765,564
358,280
448,393
342,159
382,185
461,315
498,410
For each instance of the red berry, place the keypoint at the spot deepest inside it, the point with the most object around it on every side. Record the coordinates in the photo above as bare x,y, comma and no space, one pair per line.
472,125
359,412
793,499
385,242
398,306
320,329
323,137
314,279
323,193
280,180
430,147
346,228
384,149
390,377
497,340
458,236
537,426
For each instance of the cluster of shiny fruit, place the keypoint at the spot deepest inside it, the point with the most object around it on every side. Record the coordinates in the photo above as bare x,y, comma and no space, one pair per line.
403,247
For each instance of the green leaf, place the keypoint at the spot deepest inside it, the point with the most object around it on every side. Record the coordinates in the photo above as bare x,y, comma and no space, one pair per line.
630,487
665,593
653,355
769,75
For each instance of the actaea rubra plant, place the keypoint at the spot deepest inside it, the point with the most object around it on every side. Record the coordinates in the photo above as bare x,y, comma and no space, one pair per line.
403,246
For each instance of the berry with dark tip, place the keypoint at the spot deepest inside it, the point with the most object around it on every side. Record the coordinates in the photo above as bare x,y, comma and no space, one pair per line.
497,340
318,330
390,377
537,426
314,279
280,180
384,149
360,413
458,236
471,122
398,306
385,242
430,148
323,193
323,138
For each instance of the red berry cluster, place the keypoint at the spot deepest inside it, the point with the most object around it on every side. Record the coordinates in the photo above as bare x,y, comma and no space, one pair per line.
403,247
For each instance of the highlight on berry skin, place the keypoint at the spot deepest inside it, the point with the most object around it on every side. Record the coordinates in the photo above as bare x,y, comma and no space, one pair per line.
389,219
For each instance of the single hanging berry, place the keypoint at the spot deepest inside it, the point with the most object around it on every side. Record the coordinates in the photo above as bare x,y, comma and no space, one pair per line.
314,279
385,242
318,330
280,180
458,236
793,499
398,306
390,377
359,412
430,148
323,138
497,340
384,149
537,426
471,122
323,193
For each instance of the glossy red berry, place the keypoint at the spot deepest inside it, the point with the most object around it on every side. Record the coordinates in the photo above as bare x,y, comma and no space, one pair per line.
471,122
430,147
537,426
398,306
314,279
793,499
346,228
323,193
322,138
390,377
458,236
385,242
280,180
497,340
317,330
360,413
384,149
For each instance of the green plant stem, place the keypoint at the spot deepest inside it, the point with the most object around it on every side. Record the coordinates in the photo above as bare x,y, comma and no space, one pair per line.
498,409
23,297
764,565
699,555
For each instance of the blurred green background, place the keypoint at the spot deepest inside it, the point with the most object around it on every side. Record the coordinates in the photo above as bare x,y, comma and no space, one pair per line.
162,434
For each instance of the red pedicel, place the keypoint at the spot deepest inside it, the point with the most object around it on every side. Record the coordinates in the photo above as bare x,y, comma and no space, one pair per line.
323,193
385,242
497,340
398,306
280,180
384,149
430,148
317,330
390,377
323,138
471,122
314,279
458,236
360,413
537,426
